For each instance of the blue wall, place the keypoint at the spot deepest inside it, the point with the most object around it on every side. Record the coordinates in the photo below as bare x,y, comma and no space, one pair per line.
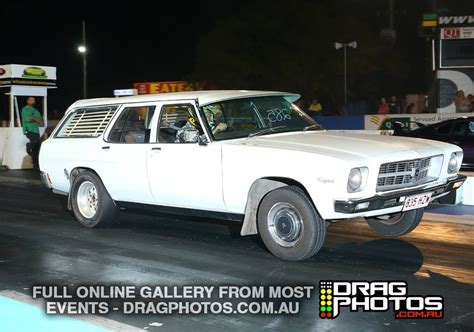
341,122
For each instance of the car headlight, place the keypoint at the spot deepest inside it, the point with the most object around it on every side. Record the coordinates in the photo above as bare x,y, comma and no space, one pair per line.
357,179
455,162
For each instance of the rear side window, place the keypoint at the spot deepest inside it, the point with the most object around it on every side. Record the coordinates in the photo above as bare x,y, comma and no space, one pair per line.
87,122
133,125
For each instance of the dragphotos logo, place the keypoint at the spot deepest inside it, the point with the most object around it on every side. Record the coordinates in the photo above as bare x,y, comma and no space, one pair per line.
377,296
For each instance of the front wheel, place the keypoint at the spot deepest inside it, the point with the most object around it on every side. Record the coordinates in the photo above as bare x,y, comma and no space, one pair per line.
91,203
396,224
289,225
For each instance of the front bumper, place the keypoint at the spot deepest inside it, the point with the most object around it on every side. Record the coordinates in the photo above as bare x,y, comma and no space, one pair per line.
379,202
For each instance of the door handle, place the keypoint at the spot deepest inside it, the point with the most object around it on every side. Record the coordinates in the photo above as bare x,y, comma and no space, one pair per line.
156,149
105,147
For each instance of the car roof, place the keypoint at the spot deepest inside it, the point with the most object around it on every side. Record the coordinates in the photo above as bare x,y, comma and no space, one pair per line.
202,97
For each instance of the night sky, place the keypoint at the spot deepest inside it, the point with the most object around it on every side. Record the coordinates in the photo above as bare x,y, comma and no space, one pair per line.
134,41
127,42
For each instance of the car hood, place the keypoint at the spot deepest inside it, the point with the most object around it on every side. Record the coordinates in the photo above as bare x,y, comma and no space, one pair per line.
349,144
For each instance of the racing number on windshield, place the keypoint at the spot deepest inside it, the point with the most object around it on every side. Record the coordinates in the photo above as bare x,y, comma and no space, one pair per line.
277,115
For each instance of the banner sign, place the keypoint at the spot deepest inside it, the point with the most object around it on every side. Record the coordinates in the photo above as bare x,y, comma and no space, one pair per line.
457,33
456,20
170,86
381,122
27,75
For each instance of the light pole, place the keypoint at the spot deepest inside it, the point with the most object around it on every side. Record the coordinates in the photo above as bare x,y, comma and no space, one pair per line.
339,46
83,50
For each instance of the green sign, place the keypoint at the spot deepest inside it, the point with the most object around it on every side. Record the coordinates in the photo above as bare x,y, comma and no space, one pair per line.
388,123
34,72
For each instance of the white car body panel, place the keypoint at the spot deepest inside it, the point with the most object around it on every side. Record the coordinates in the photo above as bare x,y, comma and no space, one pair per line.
309,159
218,176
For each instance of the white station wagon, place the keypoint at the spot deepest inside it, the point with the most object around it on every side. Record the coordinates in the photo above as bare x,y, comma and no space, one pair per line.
249,156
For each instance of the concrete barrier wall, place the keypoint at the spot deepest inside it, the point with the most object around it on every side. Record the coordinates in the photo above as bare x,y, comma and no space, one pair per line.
3,143
13,147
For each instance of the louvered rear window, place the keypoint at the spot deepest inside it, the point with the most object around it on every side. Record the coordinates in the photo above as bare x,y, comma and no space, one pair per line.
87,122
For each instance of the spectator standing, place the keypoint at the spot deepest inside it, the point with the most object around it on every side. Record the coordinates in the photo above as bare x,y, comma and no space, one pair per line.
410,108
383,107
394,106
315,108
31,120
470,97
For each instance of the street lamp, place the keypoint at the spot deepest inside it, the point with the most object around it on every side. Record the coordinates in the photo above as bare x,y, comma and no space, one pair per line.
339,46
83,50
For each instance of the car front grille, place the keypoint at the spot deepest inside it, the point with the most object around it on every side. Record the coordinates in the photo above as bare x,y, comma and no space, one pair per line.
402,174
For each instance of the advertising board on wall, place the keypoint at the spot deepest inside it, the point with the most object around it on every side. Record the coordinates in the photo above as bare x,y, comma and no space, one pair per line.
27,75
381,122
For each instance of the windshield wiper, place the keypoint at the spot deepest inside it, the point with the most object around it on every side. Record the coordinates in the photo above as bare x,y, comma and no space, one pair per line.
313,126
265,131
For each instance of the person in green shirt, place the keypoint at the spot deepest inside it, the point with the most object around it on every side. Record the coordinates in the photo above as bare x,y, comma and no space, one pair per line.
31,120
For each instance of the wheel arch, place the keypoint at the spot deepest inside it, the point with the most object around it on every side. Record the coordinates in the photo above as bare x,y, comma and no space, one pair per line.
258,190
73,174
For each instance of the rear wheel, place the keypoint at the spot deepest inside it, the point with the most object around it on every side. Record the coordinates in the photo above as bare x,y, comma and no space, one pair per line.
289,225
396,224
91,203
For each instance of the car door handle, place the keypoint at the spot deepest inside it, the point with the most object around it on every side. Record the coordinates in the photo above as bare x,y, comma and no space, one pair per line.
105,147
156,149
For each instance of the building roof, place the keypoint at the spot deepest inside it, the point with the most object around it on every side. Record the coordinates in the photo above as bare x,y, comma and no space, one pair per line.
203,97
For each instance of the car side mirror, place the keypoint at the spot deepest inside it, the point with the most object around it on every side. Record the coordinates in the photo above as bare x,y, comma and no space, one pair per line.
202,140
191,135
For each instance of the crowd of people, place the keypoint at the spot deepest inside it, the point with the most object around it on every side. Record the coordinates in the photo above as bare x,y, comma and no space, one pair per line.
392,105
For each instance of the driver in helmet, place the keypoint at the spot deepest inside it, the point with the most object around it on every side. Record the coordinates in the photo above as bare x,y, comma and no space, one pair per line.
215,118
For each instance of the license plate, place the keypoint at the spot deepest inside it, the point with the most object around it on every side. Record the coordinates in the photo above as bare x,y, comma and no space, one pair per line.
417,201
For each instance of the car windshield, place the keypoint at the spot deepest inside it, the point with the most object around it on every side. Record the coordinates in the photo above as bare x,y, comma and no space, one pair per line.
255,116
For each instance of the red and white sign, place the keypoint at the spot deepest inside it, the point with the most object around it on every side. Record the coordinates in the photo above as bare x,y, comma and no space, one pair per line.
170,86
451,33
457,33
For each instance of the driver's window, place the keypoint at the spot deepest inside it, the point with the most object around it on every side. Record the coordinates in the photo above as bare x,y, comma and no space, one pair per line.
178,123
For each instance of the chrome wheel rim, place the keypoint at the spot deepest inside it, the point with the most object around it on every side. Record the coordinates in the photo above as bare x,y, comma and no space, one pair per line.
390,219
87,200
285,224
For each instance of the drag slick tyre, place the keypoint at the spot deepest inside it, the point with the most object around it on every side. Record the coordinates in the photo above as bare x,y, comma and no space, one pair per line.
289,225
91,203
396,224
